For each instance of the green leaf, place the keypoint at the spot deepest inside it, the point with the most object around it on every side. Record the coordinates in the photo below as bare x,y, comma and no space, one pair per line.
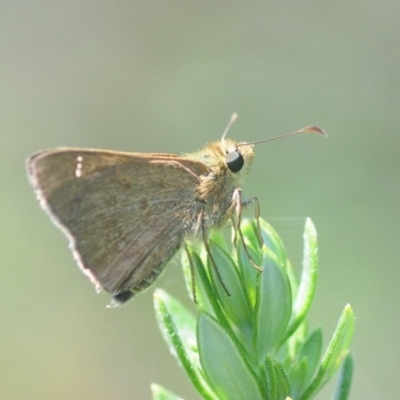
297,375
273,305
344,383
204,291
294,284
288,351
248,272
208,291
236,305
311,350
272,240
296,340
335,353
224,362
217,236
283,383
178,326
160,393
271,381
308,282
187,275
250,234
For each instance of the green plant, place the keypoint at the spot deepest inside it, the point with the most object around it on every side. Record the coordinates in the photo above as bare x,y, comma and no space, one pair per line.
253,342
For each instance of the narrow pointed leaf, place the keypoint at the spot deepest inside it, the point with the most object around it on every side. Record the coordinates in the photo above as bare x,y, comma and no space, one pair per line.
160,393
204,291
311,350
272,240
344,383
337,350
271,380
294,282
178,327
308,282
207,297
297,376
224,362
248,272
273,305
236,305
282,379
295,342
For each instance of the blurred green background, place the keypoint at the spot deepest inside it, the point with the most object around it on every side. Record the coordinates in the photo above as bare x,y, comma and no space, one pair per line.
166,76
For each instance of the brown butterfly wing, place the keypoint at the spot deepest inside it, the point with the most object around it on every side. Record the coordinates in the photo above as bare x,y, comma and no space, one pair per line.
125,214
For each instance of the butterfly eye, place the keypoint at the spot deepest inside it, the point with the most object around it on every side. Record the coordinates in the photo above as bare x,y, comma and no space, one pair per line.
234,161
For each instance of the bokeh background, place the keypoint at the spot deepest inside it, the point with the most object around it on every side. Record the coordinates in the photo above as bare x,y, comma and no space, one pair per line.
166,76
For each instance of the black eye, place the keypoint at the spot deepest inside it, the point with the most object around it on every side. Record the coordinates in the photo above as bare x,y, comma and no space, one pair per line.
234,161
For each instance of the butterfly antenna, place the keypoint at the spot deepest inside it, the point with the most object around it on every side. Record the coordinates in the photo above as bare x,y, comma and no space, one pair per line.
307,129
230,123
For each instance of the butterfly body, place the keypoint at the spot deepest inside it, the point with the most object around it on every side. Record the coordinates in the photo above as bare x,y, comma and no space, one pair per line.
127,214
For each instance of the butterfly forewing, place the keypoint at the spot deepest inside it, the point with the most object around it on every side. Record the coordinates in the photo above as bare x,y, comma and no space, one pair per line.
126,214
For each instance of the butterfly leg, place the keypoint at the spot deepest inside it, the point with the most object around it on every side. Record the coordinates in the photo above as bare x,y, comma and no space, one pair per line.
254,200
192,274
238,203
207,247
